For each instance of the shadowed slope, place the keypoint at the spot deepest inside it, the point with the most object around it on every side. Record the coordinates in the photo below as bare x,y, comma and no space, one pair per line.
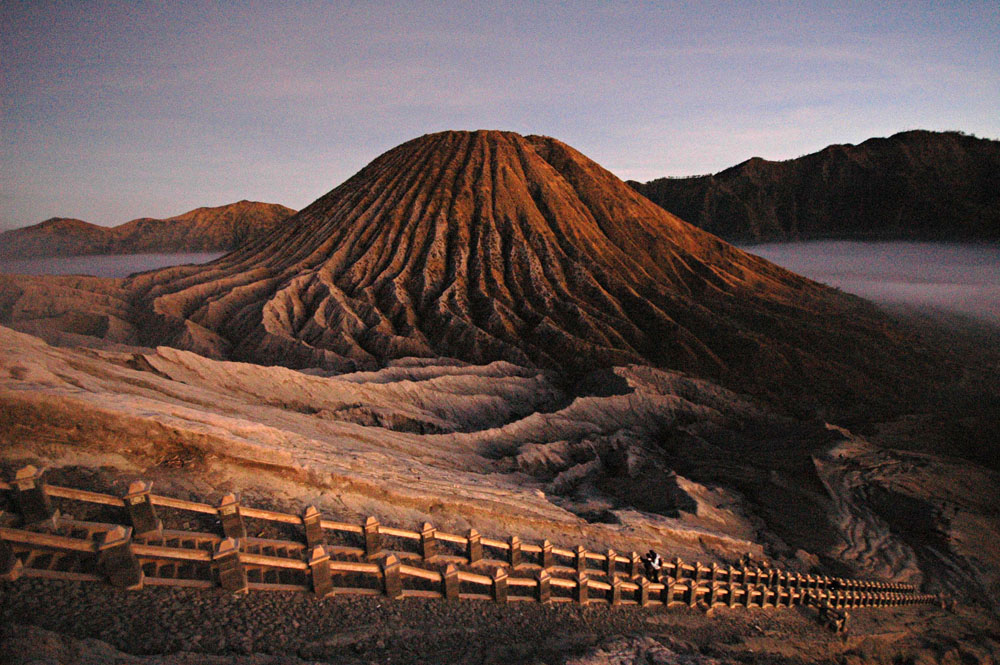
913,185
492,246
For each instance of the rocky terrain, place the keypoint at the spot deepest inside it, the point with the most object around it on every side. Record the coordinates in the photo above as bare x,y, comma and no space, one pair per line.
916,185
486,330
630,457
204,229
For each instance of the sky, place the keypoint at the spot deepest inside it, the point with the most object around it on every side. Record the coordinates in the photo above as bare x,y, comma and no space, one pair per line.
117,110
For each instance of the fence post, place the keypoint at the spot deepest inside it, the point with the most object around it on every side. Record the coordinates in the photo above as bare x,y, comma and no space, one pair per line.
643,592
669,590
10,565
116,560
515,551
319,565
616,590
311,523
392,578
544,587
229,515
232,575
582,588
581,559
474,548
450,583
141,510
500,586
428,542
548,558
692,593
30,496
732,595
612,565
373,539
748,595
762,588
678,568
634,562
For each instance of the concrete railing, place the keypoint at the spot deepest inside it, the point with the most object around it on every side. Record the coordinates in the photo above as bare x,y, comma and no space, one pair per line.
335,557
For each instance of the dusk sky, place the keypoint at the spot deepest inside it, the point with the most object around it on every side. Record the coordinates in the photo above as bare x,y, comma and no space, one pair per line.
112,111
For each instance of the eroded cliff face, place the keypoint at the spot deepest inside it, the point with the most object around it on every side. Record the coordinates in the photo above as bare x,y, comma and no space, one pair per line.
915,185
221,228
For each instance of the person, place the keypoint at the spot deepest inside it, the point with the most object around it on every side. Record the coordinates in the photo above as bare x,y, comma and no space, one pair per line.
653,563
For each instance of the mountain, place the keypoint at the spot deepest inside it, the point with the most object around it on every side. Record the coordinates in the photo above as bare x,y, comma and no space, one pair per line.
494,246
916,185
203,229
487,246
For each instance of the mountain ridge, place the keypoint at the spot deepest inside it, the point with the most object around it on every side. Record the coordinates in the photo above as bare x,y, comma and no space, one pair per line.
914,185
218,228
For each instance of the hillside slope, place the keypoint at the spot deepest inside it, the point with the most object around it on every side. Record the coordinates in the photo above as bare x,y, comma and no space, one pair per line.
916,185
204,229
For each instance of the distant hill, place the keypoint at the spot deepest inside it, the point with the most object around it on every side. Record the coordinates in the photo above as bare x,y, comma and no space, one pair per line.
916,185
203,229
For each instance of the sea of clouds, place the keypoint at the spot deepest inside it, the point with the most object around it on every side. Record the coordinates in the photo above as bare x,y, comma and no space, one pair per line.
953,277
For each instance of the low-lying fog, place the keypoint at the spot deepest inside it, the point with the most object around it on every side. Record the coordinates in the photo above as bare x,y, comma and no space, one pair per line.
103,265
961,278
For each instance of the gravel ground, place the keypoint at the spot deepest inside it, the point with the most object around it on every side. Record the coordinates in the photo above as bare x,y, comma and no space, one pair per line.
342,629
279,627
